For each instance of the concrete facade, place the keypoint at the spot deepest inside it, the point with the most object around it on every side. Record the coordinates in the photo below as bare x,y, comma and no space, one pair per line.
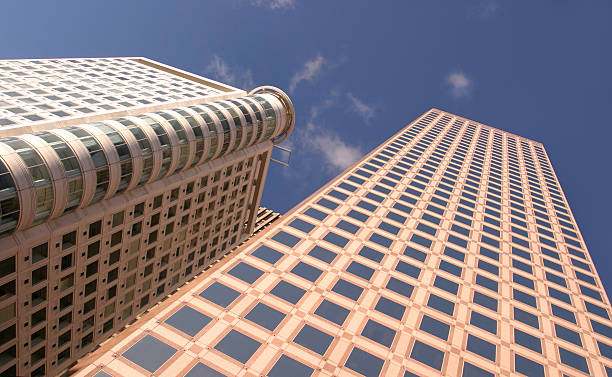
106,209
449,250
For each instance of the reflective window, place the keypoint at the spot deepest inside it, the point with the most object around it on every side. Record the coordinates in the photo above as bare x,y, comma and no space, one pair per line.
302,225
287,292
365,363
481,347
313,339
267,254
381,240
332,312
149,353
360,270
347,289
246,272
427,355
527,341
390,308
349,227
400,287
286,238
315,214
220,294
265,316
371,254
286,366
201,370
238,346
322,254
336,239
471,370
573,360
441,304
188,320
306,271
378,333
435,327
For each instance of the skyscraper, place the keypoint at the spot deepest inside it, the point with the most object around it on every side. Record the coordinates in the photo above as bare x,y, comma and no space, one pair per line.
120,179
448,250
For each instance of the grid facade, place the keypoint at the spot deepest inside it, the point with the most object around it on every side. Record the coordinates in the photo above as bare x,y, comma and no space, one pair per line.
103,215
449,250
45,90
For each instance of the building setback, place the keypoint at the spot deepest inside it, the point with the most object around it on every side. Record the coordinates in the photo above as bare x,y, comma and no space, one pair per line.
448,250
120,179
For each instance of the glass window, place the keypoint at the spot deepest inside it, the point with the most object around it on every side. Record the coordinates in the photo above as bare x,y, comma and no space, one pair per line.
526,317
434,327
286,239
220,294
287,292
528,367
527,340
481,347
238,346
313,339
471,370
246,272
427,355
358,215
378,333
332,312
267,254
441,304
390,308
408,269
336,239
360,270
349,227
381,240
400,287
265,316
322,254
347,289
199,370
149,353
567,334
484,322
286,366
371,254
306,271
365,363
188,320
315,214
302,225
573,360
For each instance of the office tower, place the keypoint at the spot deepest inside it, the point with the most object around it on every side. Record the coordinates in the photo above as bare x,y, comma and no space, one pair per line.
449,250
120,179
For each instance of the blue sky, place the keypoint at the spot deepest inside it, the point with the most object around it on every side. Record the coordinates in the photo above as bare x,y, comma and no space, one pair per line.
358,71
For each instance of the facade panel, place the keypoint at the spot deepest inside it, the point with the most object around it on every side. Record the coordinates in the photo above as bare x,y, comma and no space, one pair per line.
448,250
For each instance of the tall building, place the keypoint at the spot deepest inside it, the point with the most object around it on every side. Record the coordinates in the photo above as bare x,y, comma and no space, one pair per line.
449,250
120,179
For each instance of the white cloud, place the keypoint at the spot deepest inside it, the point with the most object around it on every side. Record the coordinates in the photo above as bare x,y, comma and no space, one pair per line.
337,154
274,4
365,111
232,75
485,9
312,68
460,84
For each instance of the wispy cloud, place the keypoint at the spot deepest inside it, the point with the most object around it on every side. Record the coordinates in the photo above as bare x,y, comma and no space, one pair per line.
336,153
460,84
274,4
312,68
365,111
236,76
485,9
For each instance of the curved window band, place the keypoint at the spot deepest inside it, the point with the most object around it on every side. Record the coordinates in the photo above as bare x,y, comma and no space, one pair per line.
244,123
